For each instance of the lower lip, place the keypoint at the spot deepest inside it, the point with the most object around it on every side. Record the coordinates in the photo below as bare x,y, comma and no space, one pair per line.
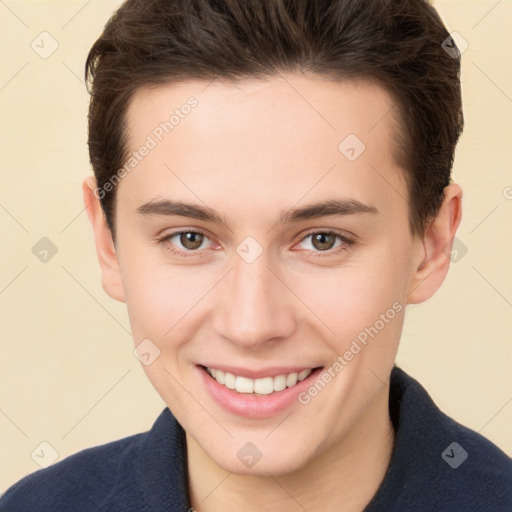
251,405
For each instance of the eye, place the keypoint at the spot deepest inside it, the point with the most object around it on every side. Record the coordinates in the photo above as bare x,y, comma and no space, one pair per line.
329,242
185,243
192,243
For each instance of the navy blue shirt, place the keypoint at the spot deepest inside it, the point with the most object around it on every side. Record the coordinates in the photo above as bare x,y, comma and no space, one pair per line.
437,465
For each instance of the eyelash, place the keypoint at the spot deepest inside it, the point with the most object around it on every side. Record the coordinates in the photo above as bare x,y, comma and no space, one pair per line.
346,243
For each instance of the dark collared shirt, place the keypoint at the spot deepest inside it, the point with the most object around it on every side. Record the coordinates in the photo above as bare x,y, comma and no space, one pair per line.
437,465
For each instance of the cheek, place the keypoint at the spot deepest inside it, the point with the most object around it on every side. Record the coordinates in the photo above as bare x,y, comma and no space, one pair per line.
160,303
158,297
354,299
350,296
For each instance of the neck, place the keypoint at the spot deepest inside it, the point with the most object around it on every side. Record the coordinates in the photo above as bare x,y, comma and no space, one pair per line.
345,476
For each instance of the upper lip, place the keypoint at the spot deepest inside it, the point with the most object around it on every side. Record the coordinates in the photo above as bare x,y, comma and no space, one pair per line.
272,371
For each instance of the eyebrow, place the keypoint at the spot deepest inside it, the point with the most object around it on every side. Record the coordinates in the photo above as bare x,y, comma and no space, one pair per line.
340,207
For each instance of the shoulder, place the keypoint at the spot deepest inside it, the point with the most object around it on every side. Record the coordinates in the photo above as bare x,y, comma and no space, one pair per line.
145,471
474,470
441,463
86,477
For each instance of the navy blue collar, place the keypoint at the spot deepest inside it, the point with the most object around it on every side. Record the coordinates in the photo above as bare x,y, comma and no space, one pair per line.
420,476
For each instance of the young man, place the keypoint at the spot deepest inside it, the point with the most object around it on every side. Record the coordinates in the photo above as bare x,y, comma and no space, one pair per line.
272,189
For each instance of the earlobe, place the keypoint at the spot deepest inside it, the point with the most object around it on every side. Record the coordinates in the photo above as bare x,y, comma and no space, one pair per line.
105,248
437,246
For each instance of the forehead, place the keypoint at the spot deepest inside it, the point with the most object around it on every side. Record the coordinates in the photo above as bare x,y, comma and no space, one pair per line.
285,136
256,104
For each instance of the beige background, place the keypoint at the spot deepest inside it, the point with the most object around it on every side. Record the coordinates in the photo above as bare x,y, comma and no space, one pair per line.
68,374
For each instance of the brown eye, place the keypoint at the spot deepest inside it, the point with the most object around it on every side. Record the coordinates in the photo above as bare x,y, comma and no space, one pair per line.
326,243
323,241
191,240
186,243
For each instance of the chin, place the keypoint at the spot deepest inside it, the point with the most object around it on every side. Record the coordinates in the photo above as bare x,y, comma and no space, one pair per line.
273,460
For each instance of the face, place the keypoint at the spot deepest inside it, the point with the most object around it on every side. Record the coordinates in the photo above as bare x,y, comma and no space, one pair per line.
265,235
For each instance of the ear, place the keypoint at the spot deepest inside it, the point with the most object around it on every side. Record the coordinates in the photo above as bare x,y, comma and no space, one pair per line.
105,248
437,247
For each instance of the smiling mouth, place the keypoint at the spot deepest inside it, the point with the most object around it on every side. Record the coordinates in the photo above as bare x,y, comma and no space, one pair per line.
262,386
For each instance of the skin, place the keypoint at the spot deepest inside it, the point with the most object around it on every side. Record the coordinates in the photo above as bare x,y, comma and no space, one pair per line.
251,151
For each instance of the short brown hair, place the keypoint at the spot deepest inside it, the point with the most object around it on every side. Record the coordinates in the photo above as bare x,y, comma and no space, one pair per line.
394,42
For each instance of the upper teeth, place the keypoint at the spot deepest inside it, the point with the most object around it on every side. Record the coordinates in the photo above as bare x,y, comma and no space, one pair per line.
263,386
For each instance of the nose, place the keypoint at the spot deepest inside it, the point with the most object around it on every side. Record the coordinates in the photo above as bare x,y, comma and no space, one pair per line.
254,305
